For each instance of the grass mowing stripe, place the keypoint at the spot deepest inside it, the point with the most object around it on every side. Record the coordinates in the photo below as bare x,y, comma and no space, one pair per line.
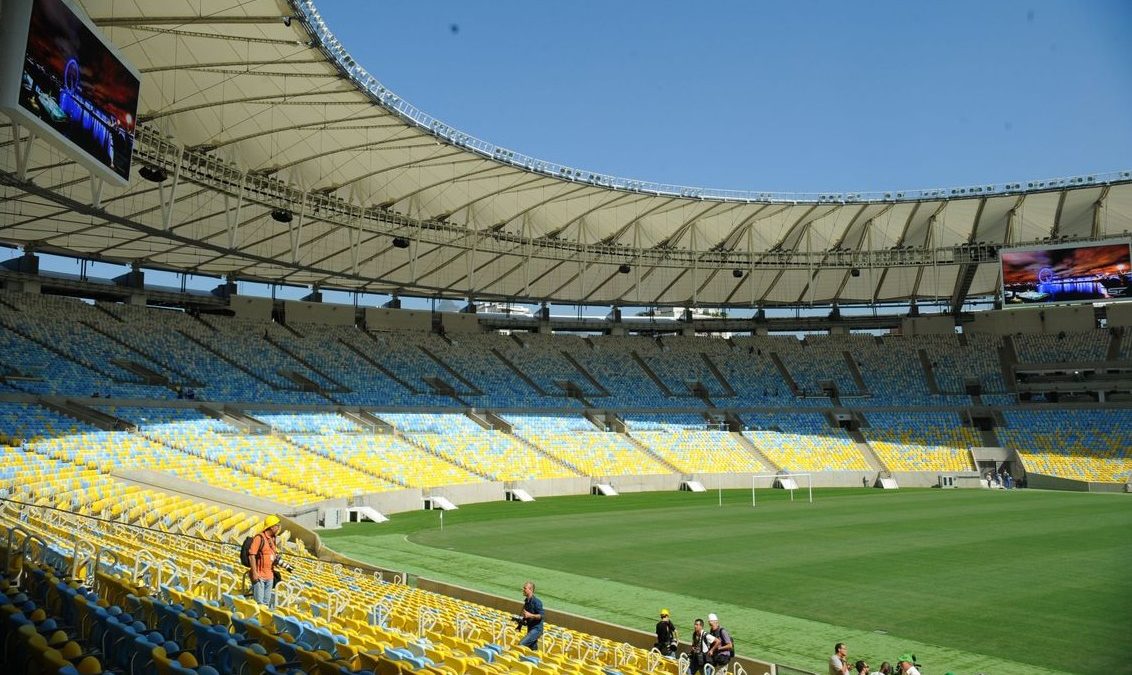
784,639
1010,579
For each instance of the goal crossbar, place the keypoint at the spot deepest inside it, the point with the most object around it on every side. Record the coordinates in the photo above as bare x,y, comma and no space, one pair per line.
790,486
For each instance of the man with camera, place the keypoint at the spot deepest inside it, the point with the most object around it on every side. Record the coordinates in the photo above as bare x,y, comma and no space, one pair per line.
531,617
701,642
263,555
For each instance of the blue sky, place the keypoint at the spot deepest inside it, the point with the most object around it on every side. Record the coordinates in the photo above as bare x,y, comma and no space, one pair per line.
789,96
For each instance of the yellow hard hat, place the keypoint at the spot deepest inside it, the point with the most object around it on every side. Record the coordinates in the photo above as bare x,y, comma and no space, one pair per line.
664,612
270,521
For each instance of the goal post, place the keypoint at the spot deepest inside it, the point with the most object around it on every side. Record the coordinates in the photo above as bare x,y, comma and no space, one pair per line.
789,481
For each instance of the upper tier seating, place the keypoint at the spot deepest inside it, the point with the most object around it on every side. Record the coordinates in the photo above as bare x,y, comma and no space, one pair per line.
680,362
82,364
953,363
750,370
1089,345
471,356
540,357
816,359
62,346
183,344
354,359
248,344
892,371
610,361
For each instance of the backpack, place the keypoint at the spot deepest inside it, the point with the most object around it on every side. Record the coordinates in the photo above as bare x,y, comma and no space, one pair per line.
246,551
723,632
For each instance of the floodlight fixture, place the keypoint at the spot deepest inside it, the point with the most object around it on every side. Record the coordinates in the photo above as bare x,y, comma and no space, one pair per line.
153,174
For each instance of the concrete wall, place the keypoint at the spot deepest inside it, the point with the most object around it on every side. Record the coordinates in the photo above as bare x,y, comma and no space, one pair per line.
655,483
470,493
1120,314
991,454
1068,319
928,325
317,312
460,323
729,481
1034,320
397,501
22,285
835,479
551,487
1044,482
380,318
1006,322
251,308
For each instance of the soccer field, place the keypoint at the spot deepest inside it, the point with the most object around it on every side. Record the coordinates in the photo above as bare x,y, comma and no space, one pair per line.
968,580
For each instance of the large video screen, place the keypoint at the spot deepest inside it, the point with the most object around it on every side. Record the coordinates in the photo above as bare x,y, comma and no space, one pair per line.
1066,274
73,84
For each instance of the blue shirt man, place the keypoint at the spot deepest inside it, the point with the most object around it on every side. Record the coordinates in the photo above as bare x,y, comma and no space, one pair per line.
532,617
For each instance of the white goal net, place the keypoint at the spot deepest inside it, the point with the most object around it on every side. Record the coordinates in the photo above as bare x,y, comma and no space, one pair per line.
791,482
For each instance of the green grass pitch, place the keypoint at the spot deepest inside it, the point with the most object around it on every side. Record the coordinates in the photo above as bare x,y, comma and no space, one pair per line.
971,581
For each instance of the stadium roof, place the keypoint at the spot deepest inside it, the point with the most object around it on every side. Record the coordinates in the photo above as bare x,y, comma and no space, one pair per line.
255,108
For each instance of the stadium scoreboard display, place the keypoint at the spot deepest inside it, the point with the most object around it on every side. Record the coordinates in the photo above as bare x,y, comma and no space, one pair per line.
1064,274
60,78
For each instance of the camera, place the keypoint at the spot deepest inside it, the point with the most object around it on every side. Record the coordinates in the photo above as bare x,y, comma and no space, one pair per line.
519,621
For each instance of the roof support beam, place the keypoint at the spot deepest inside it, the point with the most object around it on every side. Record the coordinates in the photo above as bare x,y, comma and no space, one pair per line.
167,201
1099,226
23,149
232,213
296,231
